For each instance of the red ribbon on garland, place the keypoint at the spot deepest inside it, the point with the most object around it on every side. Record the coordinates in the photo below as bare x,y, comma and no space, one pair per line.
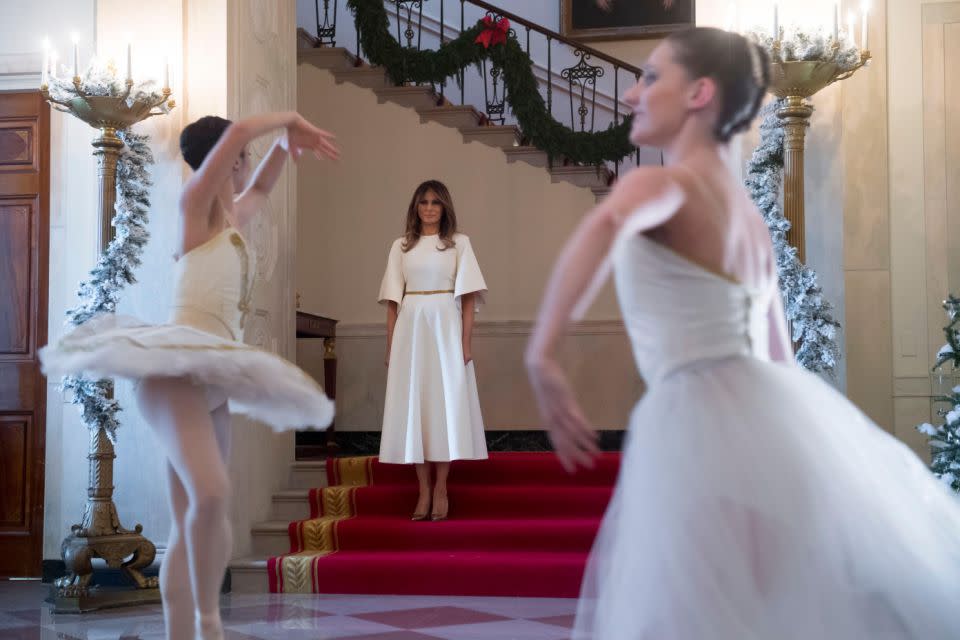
494,32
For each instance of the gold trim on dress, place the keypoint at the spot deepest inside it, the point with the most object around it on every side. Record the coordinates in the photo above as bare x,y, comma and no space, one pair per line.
427,293
245,289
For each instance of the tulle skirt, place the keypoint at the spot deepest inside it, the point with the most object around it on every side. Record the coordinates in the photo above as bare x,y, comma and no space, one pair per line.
756,502
257,383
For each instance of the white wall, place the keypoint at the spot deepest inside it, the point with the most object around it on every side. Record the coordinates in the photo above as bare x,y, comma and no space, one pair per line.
23,25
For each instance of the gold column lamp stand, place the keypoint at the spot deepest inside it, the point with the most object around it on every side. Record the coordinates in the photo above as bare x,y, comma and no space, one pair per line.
100,534
795,81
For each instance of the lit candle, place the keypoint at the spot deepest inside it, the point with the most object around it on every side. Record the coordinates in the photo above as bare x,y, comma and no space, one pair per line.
776,20
851,20
53,64
836,21
76,55
864,31
129,62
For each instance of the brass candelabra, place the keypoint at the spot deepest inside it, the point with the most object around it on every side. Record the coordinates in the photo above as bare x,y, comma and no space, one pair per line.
795,81
100,534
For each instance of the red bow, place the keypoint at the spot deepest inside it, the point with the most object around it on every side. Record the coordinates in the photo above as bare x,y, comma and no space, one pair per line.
494,32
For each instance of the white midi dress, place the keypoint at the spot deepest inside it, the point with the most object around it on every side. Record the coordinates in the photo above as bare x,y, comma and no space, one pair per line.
432,410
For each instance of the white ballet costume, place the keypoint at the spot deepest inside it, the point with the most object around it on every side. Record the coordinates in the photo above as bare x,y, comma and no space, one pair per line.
432,409
754,501
213,286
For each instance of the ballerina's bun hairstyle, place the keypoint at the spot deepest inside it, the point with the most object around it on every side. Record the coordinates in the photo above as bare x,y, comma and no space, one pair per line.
740,68
199,137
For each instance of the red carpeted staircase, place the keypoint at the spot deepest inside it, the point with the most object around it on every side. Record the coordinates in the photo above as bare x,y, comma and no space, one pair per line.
519,526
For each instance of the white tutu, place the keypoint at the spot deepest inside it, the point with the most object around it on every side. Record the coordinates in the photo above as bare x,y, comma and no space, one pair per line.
212,290
754,501
258,383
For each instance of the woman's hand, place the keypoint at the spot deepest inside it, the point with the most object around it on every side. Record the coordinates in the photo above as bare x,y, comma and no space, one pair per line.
573,439
302,136
467,355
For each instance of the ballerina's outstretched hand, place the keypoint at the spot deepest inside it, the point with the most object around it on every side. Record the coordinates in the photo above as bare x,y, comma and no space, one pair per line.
302,136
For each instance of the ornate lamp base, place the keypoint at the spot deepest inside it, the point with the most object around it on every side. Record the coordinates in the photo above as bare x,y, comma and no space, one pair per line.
102,598
101,536
74,594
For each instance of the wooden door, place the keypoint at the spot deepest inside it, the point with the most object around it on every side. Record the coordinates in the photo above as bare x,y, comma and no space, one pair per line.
24,232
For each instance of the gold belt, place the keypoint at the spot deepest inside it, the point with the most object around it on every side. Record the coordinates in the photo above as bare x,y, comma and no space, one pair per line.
427,293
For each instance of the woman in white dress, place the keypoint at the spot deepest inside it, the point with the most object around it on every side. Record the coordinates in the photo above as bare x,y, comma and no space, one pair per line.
194,371
754,501
432,287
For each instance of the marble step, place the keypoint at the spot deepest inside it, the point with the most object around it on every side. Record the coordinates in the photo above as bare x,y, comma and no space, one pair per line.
291,504
501,137
308,474
330,58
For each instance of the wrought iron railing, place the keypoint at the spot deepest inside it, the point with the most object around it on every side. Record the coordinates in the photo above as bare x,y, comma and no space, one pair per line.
580,85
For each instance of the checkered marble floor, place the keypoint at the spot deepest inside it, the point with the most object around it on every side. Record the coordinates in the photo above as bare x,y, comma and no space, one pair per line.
24,616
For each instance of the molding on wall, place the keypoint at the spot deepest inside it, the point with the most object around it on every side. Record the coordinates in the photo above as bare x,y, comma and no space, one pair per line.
493,328
911,387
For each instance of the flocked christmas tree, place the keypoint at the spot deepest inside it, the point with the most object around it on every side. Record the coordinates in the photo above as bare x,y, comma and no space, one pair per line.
945,438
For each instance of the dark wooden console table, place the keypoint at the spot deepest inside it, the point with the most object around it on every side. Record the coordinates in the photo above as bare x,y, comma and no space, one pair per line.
311,444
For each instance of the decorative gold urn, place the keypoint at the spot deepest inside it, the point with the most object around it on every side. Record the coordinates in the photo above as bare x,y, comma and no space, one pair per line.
795,81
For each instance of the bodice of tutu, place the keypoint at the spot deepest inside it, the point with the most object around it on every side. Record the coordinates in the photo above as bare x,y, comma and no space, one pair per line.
212,286
678,314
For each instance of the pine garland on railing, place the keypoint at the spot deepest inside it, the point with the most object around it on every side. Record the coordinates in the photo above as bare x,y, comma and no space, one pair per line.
406,64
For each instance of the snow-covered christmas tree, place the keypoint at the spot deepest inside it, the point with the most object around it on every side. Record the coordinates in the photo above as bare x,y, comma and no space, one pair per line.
945,438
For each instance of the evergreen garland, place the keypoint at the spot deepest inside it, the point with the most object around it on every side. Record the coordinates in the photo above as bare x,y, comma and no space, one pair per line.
814,329
114,270
944,440
406,64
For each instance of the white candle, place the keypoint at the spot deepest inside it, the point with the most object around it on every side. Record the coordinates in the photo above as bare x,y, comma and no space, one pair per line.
166,73
53,64
851,20
776,21
864,44
129,62
836,21
76,55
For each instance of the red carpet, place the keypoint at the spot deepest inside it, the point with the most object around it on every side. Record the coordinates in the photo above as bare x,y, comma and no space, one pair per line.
519,526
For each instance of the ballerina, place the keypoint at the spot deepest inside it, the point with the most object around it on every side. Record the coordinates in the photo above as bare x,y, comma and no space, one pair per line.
194,371
754,501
